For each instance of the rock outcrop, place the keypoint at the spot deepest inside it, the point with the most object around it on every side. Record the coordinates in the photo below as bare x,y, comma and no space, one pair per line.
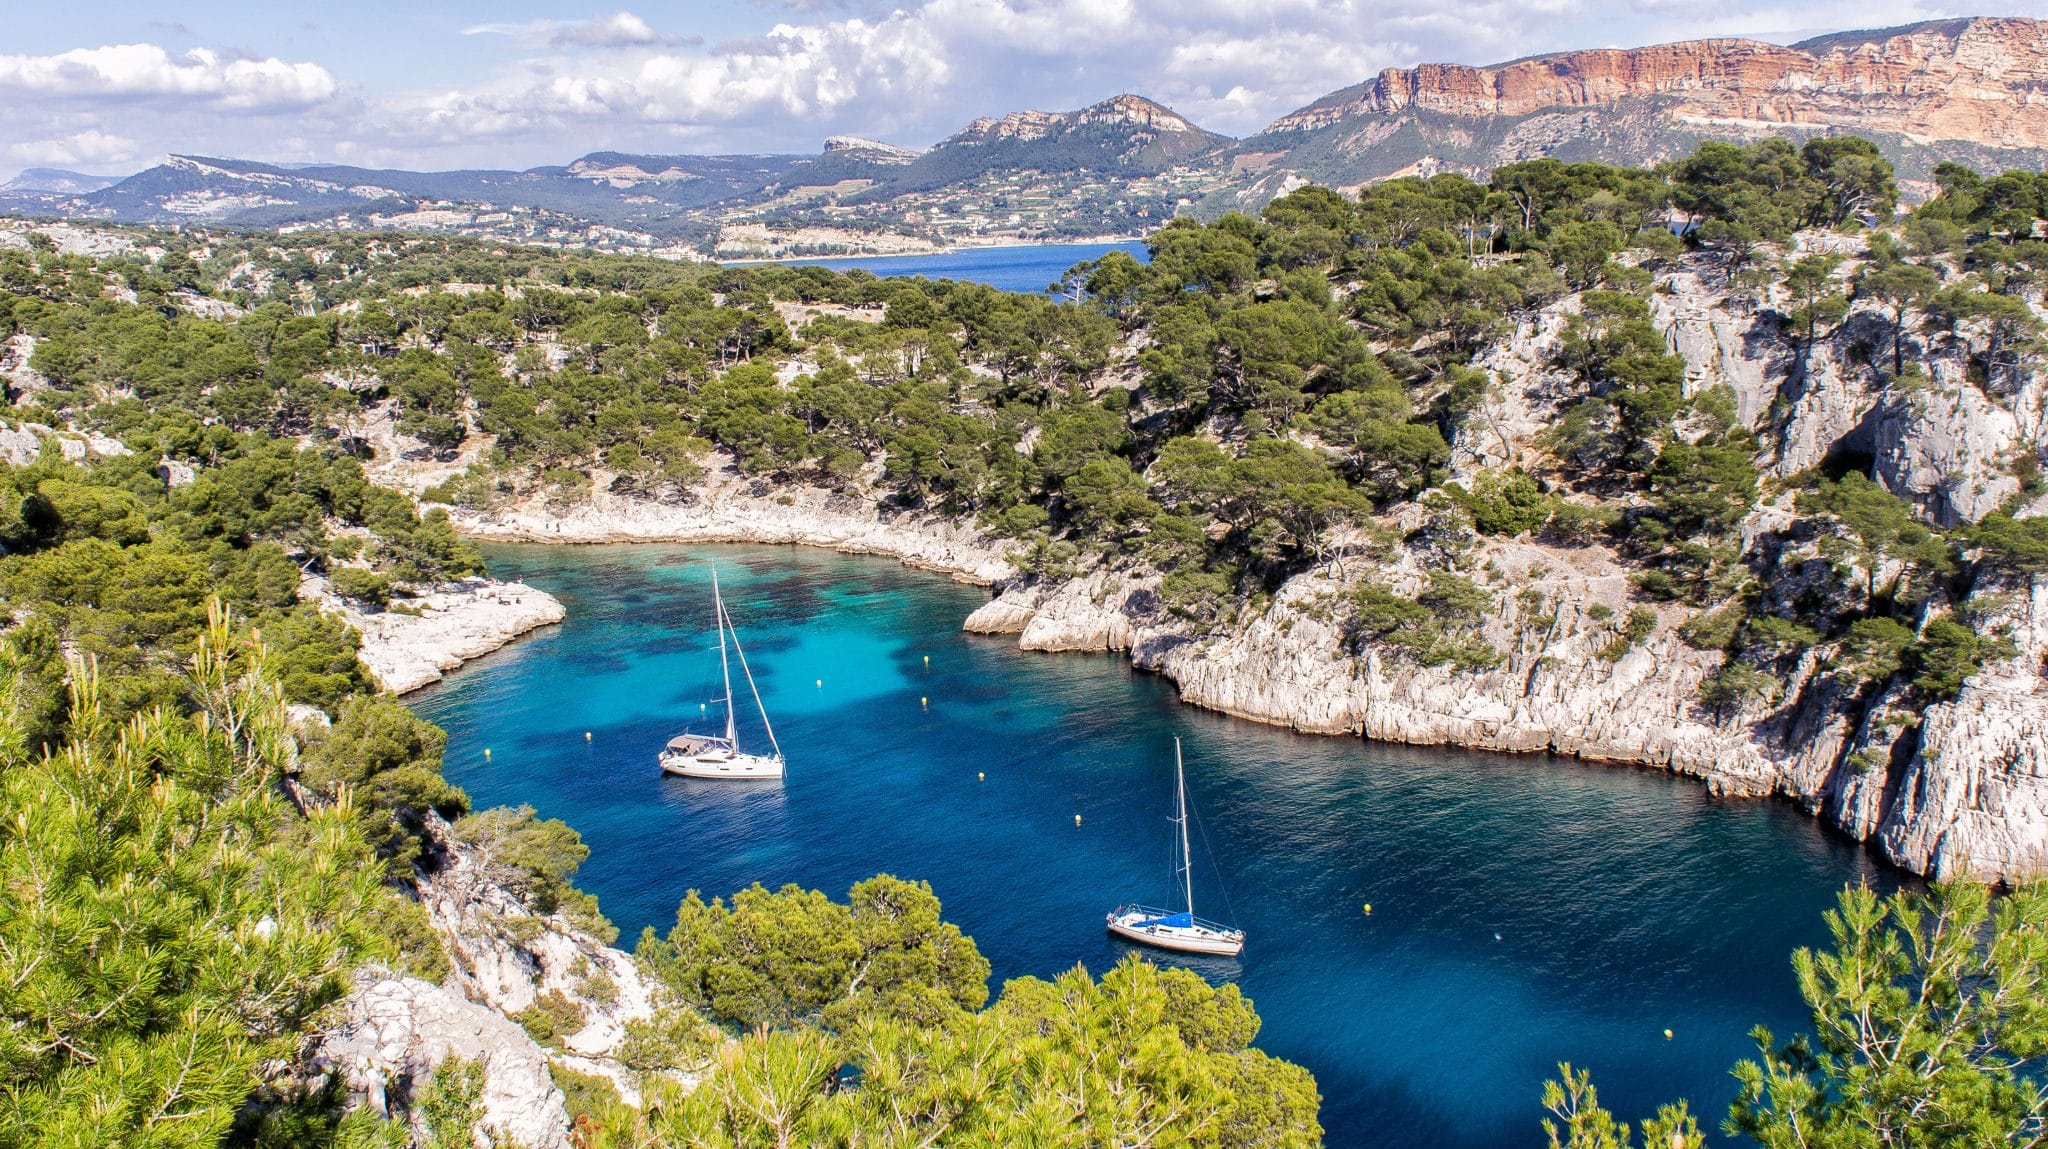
396,1031
508,957
22,445
410,644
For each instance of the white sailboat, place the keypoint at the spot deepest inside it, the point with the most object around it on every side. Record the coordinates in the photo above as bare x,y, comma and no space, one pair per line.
1182,930
708,755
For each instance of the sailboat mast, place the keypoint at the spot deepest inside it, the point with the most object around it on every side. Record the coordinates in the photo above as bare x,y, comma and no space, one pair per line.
1180,790
741,653
724,667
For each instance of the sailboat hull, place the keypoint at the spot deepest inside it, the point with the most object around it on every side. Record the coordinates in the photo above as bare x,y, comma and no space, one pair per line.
704,756
753,766
1146,927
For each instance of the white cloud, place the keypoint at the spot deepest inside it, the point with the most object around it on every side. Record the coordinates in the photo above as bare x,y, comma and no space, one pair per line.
923,70
146,70
80,149
618,30
811,73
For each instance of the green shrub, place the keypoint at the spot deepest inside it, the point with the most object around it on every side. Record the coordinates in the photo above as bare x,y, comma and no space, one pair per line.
552,1018
1506,503
1440,626
1639,624
1874,649
1949,653
1738,685
360,584
1714,629
1774,638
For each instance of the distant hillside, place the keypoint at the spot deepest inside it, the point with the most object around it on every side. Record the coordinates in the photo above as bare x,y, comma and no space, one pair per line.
56,180
1127,135
1969,90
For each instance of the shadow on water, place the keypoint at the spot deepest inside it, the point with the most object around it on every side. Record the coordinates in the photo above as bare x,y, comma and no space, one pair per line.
1524,911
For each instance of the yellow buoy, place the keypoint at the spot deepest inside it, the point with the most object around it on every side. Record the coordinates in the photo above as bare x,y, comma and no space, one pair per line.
1368,909
923,701
927,660
1667,1035
586,735
821,684
1077,819
980,777
487,752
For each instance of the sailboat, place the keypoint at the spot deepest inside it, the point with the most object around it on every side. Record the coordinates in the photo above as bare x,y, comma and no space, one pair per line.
708,755
1183,930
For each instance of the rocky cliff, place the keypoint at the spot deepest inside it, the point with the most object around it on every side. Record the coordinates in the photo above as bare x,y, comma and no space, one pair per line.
1967,793
1973,88
1978,80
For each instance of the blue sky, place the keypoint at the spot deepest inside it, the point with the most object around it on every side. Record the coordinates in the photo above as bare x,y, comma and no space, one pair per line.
115,86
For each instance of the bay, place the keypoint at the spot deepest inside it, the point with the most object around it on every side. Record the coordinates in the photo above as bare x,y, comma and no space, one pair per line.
1023,268
1525,910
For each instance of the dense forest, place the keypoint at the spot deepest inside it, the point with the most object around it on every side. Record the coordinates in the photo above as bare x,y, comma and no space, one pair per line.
209,818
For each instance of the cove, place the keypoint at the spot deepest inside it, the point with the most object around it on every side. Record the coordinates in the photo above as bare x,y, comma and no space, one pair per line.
1525,910
1028,268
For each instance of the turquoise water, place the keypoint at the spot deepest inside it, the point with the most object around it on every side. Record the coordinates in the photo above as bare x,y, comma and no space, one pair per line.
1525,911
1028,269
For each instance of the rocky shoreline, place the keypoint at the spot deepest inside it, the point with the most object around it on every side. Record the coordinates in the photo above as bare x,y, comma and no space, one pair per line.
409,646
731,509
1969,797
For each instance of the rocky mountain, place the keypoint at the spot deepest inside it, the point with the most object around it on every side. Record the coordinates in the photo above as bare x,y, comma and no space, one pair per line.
1971,90
1966,89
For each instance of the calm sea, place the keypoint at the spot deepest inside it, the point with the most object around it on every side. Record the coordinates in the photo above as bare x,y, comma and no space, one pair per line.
1524,910
1008,268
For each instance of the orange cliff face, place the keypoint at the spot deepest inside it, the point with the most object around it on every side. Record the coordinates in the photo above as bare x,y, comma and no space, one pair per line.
1982,80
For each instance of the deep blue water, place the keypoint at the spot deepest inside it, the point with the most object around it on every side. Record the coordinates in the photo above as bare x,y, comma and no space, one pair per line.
1525,910
1029,269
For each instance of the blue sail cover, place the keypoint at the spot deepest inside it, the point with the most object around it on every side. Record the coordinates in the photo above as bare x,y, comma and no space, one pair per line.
1182,920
